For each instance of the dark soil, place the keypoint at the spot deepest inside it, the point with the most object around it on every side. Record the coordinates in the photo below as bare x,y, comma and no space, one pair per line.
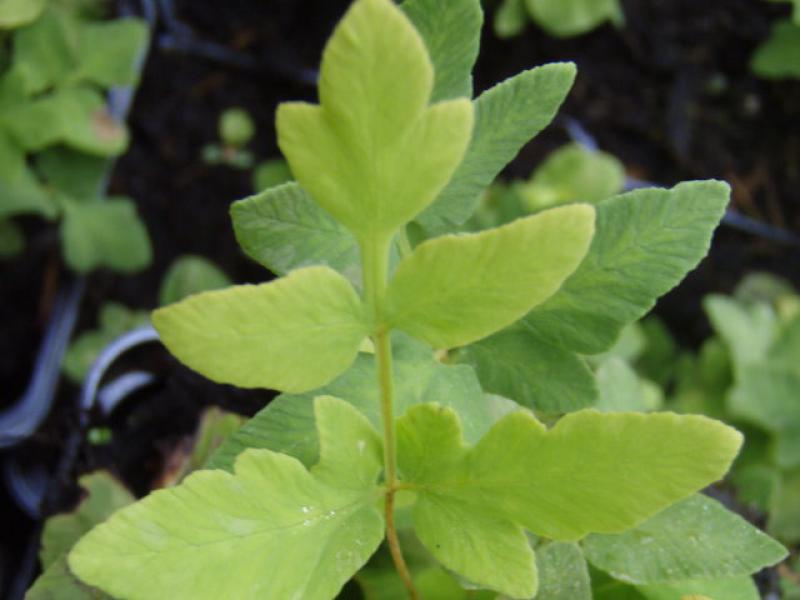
671,94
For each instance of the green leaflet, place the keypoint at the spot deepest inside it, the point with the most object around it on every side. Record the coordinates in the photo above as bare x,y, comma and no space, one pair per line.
58,583
104,233
283,229
20,190
460,288
293,334
748,331
189,275
516,365
105,495
44,50
12,240
271,173
452,34
506,118
777,57
784,508
291,533
15,13
565,18
62,49
766,395
697,538
621,389
287,423
573,173
75,116
563,573
108,52
432,583
737,588
362,165
72,173
510,18
115,319
646,241
592,472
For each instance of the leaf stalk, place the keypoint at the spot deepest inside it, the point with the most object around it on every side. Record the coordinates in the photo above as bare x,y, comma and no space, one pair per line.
375,263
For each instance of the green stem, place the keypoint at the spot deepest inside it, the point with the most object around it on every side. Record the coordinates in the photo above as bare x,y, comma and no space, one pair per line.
375,261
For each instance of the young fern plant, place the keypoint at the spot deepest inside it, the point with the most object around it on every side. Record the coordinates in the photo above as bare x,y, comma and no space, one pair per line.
371,444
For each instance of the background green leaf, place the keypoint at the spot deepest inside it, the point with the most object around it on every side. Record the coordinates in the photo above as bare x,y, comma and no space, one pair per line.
104,233
189,275
777,57
14,13
565,18
573,173
108,53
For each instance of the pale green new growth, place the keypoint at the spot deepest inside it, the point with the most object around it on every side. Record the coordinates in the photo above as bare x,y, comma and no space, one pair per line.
374,170
293,334
591,472
457,289
287,532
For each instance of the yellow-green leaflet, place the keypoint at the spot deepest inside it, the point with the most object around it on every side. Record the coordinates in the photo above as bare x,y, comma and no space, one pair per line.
271,530
591,472
457,289
293,334
374,154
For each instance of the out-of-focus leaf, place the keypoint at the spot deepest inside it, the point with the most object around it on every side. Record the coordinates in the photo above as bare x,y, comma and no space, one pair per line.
104,234
190,275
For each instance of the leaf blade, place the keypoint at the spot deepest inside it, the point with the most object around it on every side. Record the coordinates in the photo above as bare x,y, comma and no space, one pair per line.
292,334
374,182
290,533
457,289
694,539
506,118
646,241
